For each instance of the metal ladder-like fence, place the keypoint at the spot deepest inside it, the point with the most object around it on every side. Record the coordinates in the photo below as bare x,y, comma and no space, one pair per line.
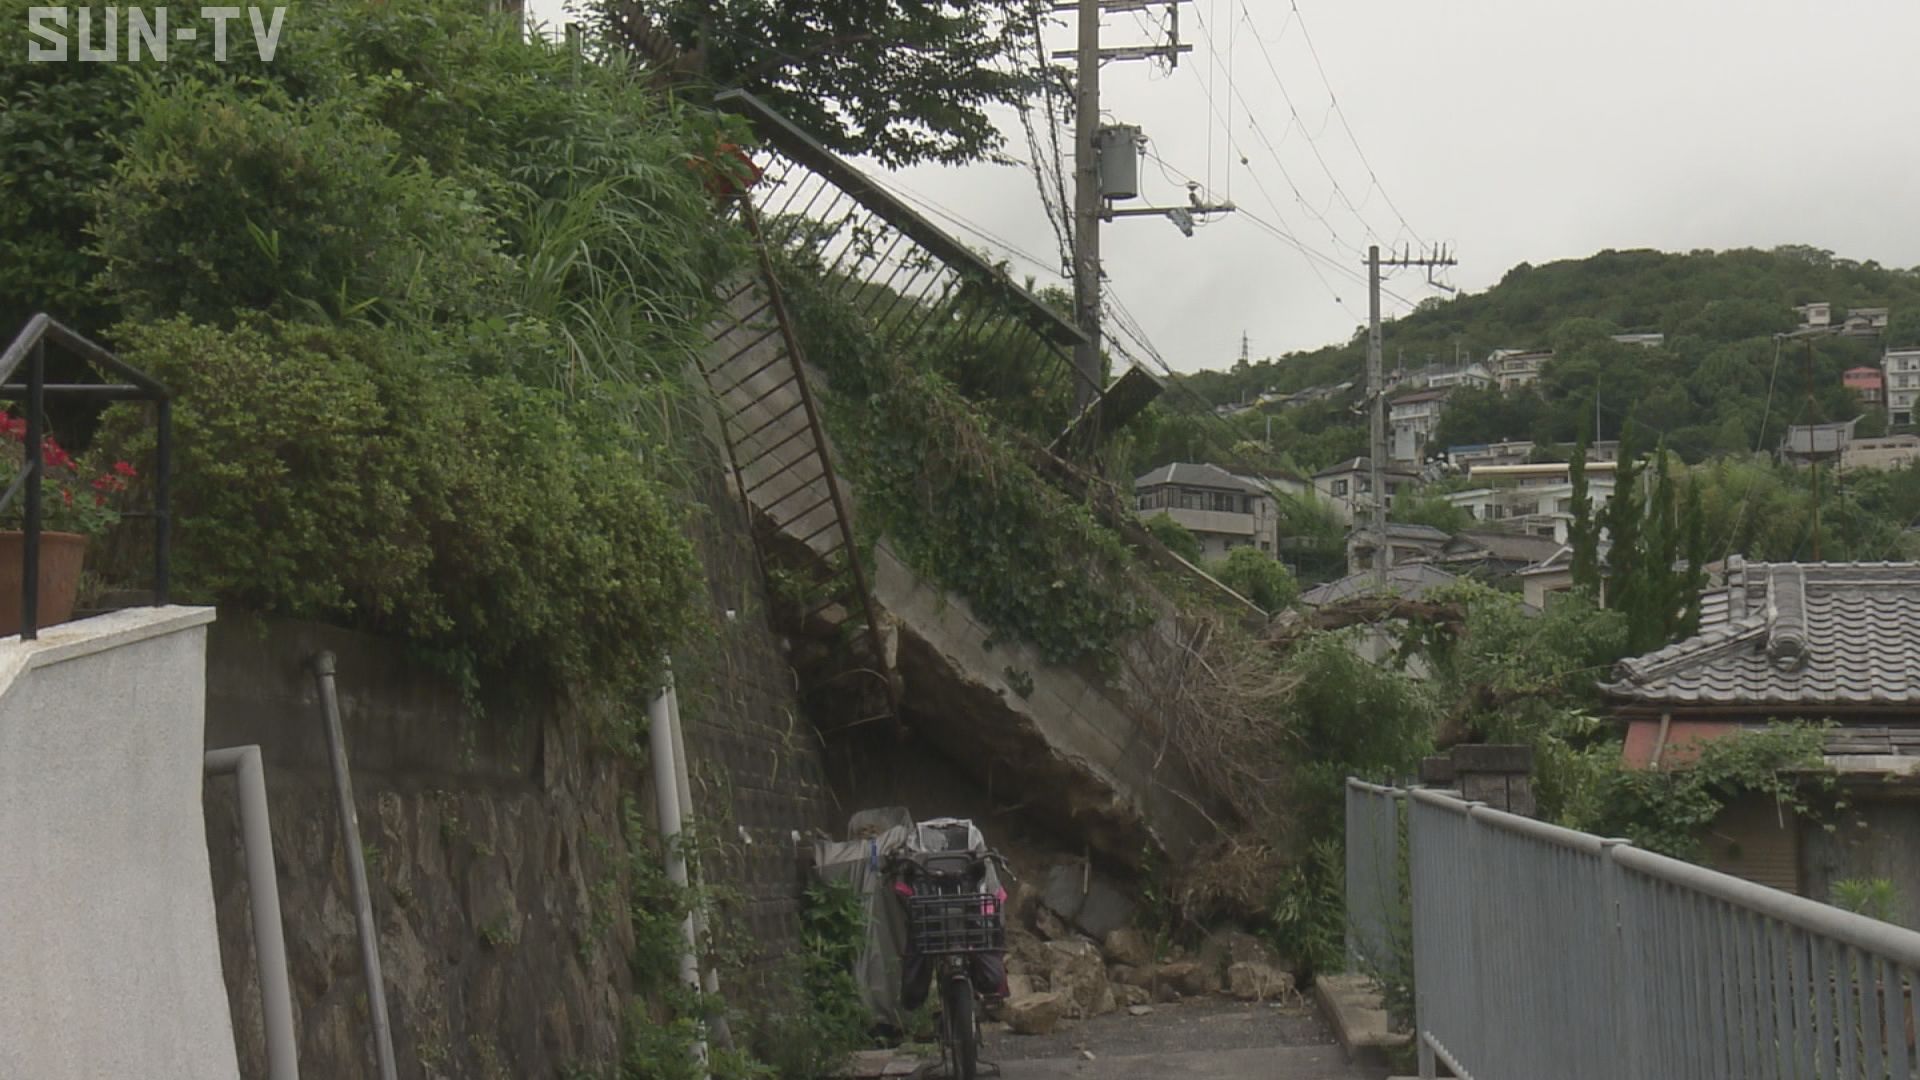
1539,951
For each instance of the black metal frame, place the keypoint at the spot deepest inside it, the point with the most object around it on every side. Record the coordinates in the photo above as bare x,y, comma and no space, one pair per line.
30,348
955,923
894,265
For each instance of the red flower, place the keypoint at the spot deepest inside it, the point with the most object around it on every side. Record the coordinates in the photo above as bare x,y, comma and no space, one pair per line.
124,469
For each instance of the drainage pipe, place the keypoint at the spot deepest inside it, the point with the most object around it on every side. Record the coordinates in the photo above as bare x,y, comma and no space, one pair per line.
323,668
709,975
263,893
666,799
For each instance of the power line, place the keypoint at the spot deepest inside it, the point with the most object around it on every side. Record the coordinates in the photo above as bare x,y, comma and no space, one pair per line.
1313,143
1007,247
1342,113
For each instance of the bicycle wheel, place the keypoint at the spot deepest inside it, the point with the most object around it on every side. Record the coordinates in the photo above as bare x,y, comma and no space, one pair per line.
961,1029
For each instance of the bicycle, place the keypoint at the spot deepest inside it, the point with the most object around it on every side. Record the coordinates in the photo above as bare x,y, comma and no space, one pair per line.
951,919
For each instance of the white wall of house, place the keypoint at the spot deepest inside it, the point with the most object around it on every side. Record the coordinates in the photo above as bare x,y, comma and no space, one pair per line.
109,961
1903,383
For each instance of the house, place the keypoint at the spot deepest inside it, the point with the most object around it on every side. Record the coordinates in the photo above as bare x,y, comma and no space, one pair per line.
1494,556
1866,384
1473,376
1515,368
1833,642
1515,452
1890,452
1411,419
1223,510
1819,313
1813,444
1865,322
1409,543
1645,341
1349,485
1536,499
1902,367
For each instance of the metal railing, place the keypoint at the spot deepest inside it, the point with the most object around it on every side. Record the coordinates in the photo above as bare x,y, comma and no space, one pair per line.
1376,900
1545,952
30,349
923,291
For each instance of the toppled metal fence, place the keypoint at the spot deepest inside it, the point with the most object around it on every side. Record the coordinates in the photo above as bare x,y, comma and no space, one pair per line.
1544,952
925,294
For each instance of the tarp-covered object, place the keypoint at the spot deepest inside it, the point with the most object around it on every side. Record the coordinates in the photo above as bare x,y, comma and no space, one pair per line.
860,861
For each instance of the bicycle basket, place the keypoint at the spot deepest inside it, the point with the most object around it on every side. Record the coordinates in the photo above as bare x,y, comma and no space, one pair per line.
944,924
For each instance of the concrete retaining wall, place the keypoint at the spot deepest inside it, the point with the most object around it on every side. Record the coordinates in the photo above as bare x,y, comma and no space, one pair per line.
109,959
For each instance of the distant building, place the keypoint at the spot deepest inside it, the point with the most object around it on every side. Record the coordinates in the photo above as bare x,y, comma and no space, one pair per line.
1513,452
1818,313
1516,368
1889,452
1645,341
1411,420
1223,510
1865,322
1349,485
1410,543
1866,384
1902,367
1809,444
1473,376
1533,499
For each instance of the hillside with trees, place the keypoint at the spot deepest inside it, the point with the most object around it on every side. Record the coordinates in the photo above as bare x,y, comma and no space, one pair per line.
1718,384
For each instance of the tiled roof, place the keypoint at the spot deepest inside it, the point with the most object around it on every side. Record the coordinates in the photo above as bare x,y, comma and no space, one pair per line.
1792,635
1208,476
1506,546
1360,463
1411,580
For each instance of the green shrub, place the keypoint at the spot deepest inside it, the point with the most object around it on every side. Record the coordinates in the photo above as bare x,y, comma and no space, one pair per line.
223,201
1178,538
357,476
1255,575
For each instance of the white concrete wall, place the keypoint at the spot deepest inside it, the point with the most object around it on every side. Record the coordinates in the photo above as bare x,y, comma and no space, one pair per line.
109,962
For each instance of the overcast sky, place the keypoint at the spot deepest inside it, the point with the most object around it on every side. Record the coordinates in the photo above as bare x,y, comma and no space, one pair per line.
1511,130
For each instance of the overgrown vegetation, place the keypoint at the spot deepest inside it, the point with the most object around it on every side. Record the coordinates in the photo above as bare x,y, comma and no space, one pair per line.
425,294
1705,389
954,491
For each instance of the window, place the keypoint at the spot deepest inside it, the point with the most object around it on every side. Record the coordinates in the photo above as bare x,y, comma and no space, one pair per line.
1339,487
1223,502
1189,501
1144,502
1266,545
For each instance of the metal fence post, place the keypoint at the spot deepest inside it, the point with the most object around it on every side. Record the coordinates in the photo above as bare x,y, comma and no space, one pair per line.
1624,978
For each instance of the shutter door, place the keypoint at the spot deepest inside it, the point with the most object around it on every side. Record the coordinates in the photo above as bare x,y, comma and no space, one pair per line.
1757,840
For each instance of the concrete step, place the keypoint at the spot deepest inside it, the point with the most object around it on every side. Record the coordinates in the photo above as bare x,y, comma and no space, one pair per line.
1358,1017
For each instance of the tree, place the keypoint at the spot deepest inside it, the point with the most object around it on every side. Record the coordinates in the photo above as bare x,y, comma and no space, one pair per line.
900,80
1584,533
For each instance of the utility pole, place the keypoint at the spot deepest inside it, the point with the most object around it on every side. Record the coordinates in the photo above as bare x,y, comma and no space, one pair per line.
1089,202
1086,208
1376,389
1813,451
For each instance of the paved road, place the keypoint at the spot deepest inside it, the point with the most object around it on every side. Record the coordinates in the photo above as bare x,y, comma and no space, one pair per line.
1204,1040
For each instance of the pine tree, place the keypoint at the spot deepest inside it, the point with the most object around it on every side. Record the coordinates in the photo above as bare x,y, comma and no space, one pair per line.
1584,533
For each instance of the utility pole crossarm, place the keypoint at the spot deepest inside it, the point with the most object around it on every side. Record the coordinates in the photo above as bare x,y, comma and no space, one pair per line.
1156,211
1129,52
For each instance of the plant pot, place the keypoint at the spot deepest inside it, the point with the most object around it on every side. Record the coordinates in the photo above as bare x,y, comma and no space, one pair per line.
61,556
